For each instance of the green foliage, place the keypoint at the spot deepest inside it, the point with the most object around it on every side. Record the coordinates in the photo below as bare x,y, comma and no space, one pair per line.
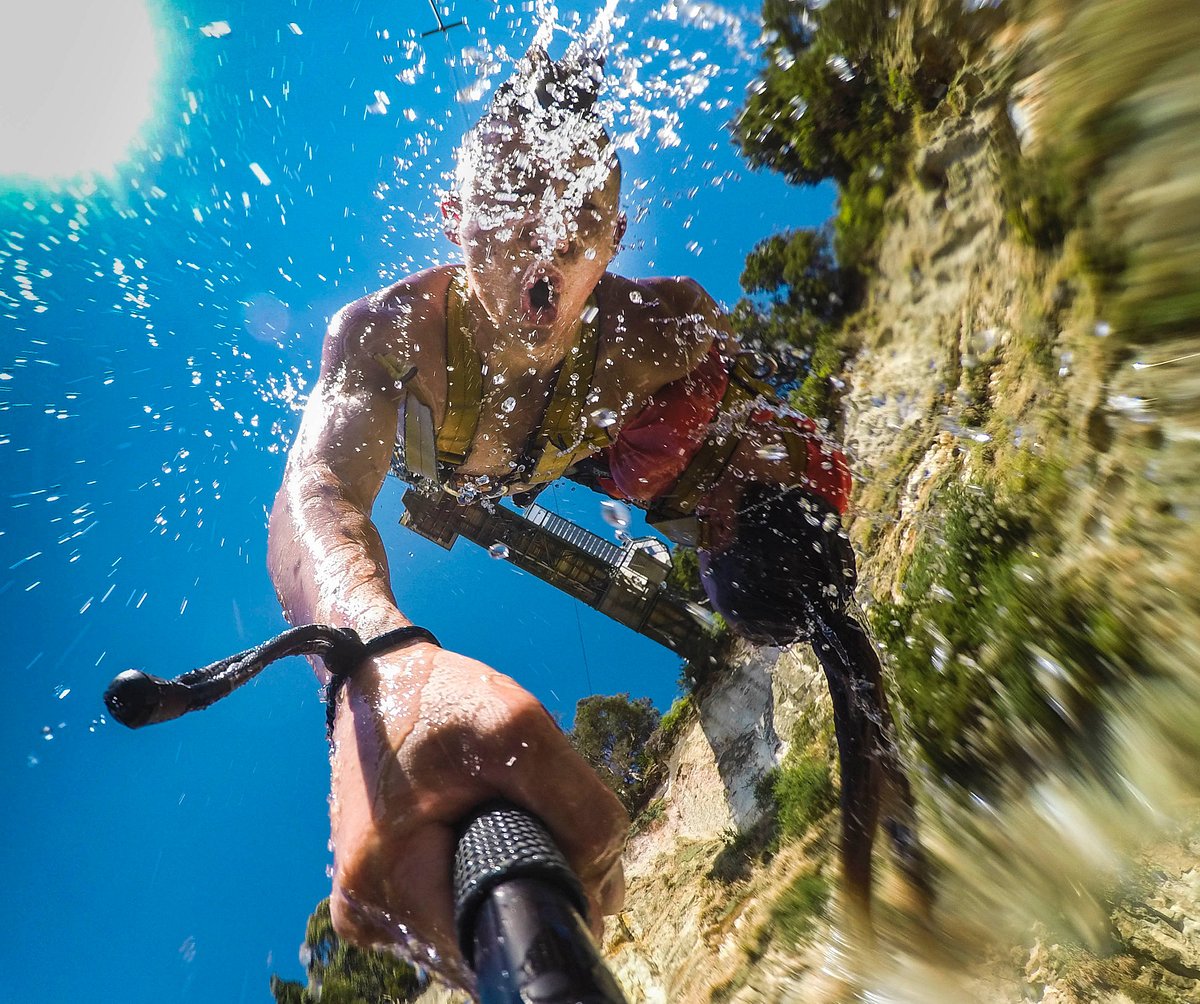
819,95
828,106
339,973
684,576
1041,203
611,733
650,815
680,711
800,789
797,268
799,297
961,647
740,849
955,589
793,912
804,792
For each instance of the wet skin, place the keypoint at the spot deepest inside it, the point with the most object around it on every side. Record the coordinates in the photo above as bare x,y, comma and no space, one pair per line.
424,734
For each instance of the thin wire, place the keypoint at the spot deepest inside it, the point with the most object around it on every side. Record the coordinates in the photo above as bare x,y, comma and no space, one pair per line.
450,63
587,672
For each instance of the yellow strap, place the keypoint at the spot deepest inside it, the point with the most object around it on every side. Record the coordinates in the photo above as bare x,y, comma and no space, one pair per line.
464,381
566,436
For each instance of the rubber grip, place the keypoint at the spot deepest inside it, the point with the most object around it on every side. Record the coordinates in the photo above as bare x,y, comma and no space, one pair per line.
498,843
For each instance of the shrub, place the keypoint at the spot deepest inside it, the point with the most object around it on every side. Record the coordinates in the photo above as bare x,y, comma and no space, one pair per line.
611,733
803,791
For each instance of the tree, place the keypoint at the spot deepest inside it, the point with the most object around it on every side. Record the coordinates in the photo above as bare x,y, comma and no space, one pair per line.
611,733
339,973
684,576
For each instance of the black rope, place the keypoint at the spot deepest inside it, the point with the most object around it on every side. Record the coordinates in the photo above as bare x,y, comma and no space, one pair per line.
136,699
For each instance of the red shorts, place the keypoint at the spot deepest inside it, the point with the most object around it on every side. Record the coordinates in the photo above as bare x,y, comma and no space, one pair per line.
655,447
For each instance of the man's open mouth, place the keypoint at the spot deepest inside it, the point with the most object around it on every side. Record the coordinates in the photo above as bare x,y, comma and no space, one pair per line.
539,294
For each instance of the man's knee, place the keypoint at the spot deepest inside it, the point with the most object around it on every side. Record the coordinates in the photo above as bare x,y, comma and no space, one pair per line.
789,558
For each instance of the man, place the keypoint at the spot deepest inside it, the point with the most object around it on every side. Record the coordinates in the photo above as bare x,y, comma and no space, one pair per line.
528,362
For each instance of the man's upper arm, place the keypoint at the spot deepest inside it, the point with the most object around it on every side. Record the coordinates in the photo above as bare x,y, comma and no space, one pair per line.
349,426
700,323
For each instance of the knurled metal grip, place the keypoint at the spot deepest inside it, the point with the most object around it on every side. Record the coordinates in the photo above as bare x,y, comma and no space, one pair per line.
502,842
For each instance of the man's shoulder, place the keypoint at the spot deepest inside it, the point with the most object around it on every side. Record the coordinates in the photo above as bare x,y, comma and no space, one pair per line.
674,321
415,297
674,294
393,321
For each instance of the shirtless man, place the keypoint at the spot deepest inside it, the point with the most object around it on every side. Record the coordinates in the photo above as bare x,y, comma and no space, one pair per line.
422,734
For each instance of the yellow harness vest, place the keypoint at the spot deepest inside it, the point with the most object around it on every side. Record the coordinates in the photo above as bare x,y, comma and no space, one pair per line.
564,437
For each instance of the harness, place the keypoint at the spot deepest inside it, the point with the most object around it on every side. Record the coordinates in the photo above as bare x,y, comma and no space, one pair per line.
429,458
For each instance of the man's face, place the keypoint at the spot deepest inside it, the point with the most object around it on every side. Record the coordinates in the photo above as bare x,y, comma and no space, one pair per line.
539,225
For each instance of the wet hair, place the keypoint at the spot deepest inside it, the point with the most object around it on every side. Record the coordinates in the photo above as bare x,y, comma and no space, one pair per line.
551,106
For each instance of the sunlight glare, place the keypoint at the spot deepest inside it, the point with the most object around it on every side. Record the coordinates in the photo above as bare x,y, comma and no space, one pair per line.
75,85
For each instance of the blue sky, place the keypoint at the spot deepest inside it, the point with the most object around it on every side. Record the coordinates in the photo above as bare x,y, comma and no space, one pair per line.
155,330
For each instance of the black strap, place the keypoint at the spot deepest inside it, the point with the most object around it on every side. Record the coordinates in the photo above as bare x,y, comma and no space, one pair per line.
135,698
344,660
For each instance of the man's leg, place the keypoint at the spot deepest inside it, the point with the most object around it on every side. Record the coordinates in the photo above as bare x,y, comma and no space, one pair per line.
788,576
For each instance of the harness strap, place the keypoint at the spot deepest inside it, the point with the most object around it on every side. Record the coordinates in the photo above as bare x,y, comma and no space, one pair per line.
464,381
564,436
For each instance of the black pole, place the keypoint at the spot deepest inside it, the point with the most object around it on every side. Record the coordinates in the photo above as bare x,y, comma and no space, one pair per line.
519,910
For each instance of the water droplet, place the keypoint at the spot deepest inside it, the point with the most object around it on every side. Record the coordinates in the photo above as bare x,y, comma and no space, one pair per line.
590,313
635,296
1102,329
498,551
47,733
605,418
508,405
841,66
772,451
616,514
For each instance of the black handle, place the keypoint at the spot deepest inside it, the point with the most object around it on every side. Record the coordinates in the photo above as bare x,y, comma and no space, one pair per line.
519,911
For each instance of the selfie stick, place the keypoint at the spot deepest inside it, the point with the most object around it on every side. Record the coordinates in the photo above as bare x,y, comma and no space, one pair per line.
518,906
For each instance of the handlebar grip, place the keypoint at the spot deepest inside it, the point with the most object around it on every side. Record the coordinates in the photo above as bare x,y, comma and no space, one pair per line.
519,913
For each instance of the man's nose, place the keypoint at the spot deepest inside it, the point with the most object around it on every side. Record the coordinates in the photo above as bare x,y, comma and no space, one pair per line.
553,241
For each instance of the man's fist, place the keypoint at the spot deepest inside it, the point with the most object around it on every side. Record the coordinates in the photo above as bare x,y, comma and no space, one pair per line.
423,736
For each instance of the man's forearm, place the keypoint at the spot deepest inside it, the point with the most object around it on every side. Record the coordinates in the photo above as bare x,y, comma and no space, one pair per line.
327,559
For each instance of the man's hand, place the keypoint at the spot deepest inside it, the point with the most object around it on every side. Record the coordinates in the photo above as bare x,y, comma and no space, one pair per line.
423,736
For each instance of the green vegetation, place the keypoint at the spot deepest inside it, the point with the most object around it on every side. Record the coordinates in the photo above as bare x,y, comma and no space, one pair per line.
339,973
792,914
797,795
837,100
684,576
648,816
680,711
611,734
960,644
838,97
798,299
803,791
1042,204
